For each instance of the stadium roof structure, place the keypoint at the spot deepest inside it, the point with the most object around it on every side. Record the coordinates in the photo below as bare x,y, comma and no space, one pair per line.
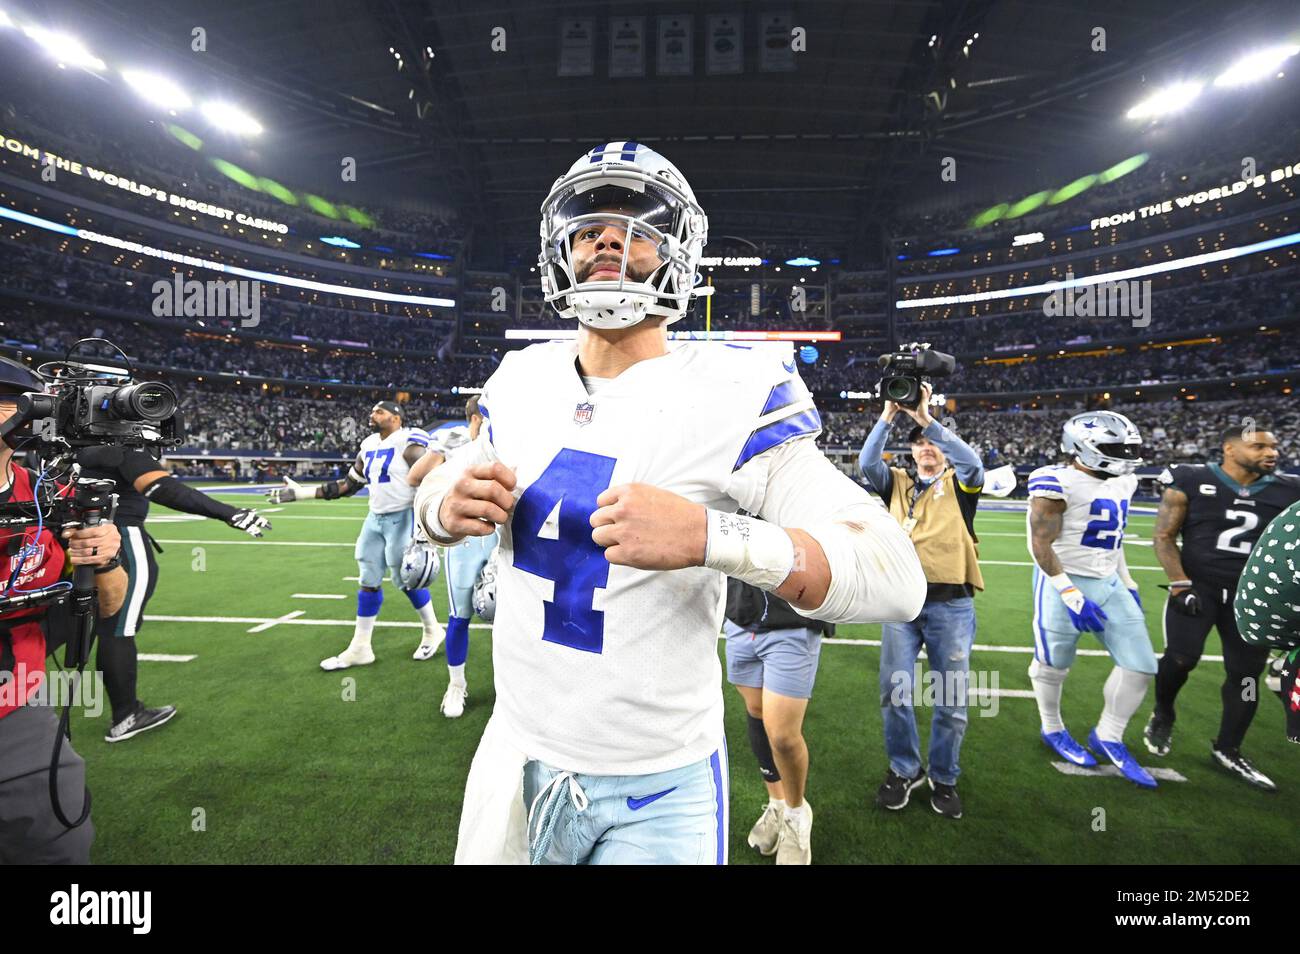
421,93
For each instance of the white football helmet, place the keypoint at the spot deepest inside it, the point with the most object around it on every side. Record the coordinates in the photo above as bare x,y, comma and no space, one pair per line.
485,589
420,565
645,197
1104,441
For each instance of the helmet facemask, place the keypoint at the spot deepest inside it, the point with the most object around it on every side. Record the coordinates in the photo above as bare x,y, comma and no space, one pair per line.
647,233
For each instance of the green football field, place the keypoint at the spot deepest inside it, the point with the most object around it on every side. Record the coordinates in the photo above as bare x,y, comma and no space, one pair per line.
271,760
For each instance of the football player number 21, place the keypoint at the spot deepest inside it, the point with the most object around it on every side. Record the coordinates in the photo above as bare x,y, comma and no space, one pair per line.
1107,532
561,549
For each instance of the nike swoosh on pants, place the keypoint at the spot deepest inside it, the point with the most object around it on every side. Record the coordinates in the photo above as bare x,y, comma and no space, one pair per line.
638,803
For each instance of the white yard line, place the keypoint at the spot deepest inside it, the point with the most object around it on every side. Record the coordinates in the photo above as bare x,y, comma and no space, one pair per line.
272,622
319,596
165,657
255,543
1110,771
292,620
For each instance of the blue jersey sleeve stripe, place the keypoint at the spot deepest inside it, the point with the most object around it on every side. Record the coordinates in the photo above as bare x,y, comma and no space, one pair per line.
781,395
765,438
1049,484
482,409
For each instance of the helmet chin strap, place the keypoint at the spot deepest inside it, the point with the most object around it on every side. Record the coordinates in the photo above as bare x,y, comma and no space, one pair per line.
609,309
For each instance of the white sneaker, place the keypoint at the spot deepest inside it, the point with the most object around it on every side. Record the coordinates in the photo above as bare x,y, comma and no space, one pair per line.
794,844
764,834
453,700
352,656
429,644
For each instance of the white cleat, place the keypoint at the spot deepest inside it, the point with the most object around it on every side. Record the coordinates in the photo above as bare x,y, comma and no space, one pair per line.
794,843
352,656
453,701
763,836
429,644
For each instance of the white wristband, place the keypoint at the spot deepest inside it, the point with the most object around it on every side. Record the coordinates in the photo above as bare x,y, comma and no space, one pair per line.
1062,582
428,520
751,550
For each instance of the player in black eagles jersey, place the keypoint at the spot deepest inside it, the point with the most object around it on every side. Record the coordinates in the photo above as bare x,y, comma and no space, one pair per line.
1219,510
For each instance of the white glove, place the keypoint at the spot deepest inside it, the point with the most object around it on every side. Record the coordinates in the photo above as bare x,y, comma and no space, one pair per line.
291,491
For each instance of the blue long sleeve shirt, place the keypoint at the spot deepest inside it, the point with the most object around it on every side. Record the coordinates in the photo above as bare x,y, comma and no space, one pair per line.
970,472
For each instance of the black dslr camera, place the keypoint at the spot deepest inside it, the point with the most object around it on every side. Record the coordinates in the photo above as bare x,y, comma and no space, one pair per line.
89,403
910,367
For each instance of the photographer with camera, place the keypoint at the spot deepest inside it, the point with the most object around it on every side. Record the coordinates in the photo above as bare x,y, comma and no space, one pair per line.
31,831
140,479
937,509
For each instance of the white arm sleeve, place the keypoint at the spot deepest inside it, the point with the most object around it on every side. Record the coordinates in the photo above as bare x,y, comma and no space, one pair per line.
875,573
1124,576
428,498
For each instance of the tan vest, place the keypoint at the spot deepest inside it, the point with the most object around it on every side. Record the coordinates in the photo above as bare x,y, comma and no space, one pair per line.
948,552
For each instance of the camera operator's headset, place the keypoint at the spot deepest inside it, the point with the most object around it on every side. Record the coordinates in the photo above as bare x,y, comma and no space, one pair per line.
15,379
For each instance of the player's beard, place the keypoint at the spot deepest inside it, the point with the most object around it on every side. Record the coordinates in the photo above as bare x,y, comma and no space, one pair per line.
632,274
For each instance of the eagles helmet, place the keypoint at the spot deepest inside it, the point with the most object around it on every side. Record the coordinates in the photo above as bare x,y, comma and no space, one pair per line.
485,589
644,197
1104,441
420,565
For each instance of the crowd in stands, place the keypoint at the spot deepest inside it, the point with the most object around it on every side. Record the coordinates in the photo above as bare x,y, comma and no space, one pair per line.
1213,161
1172,431
152,154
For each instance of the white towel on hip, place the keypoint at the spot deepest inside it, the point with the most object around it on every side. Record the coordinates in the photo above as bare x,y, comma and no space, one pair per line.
493,820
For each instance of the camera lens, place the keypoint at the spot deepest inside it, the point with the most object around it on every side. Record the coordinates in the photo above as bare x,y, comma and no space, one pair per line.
146,401
899,390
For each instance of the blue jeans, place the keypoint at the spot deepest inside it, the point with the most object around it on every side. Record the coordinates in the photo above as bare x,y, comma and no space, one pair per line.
947,630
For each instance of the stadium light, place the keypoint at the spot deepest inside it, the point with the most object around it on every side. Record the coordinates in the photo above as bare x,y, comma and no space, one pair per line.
231,118
4,20
1256,66
157,89
65,49
1170,99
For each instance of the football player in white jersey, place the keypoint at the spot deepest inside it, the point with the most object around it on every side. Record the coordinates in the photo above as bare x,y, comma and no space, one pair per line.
1076,520
381,465
464,561
614,465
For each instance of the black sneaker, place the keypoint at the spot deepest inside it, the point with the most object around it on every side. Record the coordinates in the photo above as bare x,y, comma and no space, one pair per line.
945,800
141,720
896,790
1159,734
1234,763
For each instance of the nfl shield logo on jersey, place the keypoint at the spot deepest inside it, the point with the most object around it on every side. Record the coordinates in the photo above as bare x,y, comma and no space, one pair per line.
582,413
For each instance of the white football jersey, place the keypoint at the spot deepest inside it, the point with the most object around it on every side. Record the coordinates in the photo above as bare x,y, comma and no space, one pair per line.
1096,513
447,437
611,670
381,463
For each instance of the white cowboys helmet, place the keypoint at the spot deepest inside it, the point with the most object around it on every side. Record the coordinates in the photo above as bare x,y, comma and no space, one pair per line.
420,565
485,589
1103,441
615,198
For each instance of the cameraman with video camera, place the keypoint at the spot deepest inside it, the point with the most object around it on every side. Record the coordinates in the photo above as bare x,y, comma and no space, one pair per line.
140,479
30,829
937,509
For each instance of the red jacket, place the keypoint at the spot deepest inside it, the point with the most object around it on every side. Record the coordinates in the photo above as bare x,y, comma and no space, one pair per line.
39,569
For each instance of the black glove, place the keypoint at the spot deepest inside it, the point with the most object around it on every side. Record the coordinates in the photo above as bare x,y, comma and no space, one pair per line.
1186,602
250,521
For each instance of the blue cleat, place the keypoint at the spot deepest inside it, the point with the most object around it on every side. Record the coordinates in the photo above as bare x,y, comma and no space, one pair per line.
1118,754
1063,744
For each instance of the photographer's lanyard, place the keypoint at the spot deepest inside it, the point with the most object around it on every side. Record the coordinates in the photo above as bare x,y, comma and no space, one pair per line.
910,523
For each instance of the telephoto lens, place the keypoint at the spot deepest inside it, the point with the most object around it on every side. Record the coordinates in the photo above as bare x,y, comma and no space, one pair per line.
143,401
